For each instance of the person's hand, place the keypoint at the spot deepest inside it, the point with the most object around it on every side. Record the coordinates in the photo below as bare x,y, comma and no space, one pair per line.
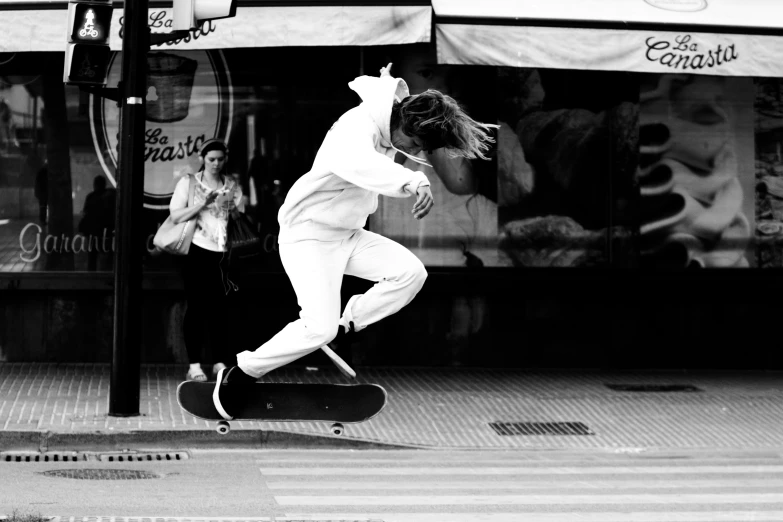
424,202
226,203
211,197
386,71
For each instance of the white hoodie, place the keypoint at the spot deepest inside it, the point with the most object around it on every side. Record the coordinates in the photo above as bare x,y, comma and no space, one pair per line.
354,164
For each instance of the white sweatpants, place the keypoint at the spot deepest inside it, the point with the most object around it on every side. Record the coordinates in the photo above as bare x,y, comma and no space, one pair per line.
316,270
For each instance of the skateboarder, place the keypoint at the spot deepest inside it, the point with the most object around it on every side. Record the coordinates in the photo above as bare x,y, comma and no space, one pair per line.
321,222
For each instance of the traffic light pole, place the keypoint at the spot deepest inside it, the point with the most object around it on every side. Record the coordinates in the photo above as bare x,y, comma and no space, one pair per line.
127,342
130,95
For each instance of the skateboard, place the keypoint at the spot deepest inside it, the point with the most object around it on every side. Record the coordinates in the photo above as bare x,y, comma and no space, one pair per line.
283,402
290,402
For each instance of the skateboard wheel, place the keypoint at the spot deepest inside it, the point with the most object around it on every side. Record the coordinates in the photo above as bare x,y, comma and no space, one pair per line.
223,427
337,429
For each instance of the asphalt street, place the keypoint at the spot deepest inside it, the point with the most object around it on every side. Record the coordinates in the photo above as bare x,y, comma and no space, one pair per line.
404,486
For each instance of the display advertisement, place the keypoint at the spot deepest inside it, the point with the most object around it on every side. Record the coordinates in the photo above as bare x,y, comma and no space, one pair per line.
696,171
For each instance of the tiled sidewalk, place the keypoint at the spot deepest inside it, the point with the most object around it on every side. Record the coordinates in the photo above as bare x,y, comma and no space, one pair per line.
437,408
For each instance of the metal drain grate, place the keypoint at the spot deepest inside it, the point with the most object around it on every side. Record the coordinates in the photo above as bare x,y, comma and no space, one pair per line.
540,428
81,456
101,474
654,387
49,456
126,456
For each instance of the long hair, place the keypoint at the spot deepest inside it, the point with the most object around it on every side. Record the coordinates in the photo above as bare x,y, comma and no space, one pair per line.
439,121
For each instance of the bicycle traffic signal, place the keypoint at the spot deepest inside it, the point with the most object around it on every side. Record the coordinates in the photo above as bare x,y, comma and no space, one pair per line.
87,52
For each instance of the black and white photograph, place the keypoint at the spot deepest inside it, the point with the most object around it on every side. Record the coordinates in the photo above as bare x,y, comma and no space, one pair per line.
391,261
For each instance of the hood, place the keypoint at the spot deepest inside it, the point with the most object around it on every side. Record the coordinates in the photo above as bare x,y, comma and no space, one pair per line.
378,95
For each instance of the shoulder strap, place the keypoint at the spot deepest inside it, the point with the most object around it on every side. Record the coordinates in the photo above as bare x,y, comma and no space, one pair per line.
191,189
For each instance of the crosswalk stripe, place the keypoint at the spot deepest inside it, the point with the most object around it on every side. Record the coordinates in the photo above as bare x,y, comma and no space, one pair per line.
499,500
533,484
492,464
598,470
692,516
359,460
497,489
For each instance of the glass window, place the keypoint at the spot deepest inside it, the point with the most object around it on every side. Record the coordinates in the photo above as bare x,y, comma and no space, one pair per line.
59,145
589,169
544,199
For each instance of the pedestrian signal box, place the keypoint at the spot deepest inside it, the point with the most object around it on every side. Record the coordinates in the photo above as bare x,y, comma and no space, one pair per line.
190,14
87,52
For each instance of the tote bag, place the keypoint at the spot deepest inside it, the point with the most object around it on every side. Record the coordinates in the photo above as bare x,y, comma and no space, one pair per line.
175,238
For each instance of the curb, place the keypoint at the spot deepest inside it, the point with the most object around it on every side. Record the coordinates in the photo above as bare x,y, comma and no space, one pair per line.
195,439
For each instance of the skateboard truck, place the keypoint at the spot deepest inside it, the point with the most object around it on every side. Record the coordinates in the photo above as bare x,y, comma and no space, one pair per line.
223,427
337,428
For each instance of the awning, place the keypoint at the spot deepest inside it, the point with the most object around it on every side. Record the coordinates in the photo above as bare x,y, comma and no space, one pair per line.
716,37
253,26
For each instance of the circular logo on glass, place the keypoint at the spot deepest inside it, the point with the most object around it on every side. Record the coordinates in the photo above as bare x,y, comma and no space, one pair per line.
189,100
679,5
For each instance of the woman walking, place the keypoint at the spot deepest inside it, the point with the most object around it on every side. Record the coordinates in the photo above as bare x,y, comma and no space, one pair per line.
205,267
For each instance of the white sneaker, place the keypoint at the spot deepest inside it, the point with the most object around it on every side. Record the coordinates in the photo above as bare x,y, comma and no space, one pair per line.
217,367
230,392
196,374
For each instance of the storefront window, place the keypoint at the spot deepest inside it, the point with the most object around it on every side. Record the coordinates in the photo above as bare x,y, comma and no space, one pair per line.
568,177
51,184
561,180
590,168
600,169
272,112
